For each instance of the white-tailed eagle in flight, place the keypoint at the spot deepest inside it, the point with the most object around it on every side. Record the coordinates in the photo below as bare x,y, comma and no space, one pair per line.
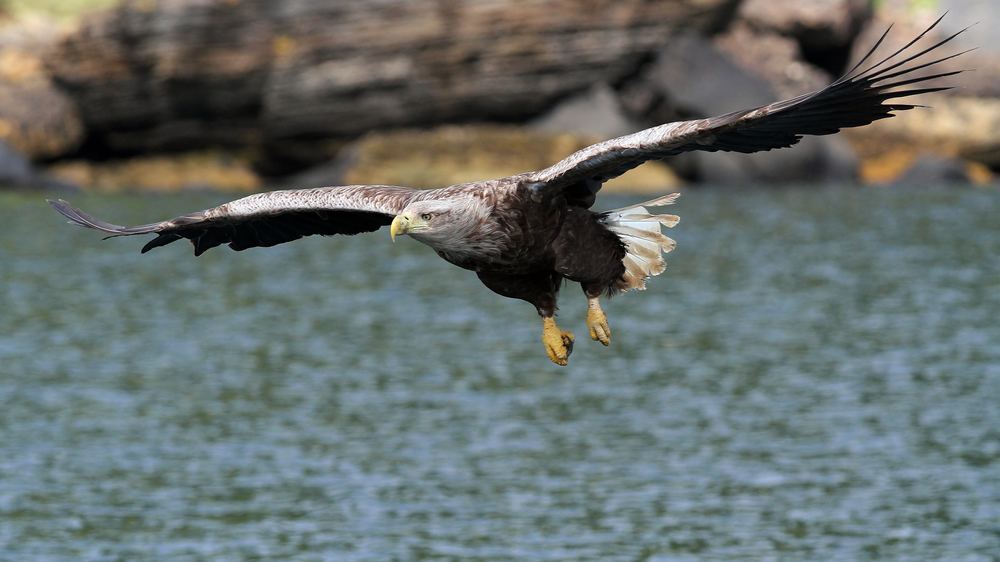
524,235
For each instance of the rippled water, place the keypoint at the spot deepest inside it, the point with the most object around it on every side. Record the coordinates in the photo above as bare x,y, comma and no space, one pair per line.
815,377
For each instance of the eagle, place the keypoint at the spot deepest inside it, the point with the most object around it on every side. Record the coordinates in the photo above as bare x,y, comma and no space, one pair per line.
524,235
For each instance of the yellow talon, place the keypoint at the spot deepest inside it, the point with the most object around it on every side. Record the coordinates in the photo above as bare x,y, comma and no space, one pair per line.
597,321
558,343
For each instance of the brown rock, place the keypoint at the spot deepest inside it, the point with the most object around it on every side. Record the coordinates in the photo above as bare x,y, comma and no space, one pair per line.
698,80
952,126
695,79
172,74
936,170
181,73
36,119
458,61
197,170
983,81
814,23
597,113
901,165
775,58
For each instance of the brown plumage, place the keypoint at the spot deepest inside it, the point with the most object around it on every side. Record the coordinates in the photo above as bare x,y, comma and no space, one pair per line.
524,235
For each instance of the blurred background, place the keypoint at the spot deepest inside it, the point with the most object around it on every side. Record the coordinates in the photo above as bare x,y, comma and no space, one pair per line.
239,94
815,377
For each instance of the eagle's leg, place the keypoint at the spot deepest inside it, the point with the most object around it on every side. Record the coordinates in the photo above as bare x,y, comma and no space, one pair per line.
558,343
597,320
541,290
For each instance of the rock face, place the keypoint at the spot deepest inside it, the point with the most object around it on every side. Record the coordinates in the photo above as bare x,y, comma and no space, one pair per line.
960,123
935,170
775,58
597,113
189,171
984,13
288,84
693,78
957,126
188,73
36,119
171,74
815,23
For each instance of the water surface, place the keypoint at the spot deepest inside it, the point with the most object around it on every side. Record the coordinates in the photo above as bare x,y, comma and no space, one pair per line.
816,376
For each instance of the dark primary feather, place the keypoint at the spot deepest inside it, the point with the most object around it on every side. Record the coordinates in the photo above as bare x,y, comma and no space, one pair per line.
856,99
272,230
266,228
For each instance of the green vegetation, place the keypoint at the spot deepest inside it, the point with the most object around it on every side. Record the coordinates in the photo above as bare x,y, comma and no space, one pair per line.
914,5
61,9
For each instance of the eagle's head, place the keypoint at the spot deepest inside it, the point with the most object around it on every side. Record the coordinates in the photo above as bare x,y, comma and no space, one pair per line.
433,222
452,227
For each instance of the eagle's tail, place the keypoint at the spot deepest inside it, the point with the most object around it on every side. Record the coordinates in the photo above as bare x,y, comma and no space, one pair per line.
640,231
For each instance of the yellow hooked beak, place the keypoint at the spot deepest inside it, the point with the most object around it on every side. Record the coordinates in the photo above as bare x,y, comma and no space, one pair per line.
400,225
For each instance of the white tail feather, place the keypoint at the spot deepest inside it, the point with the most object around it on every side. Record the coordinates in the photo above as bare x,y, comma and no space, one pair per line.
644,243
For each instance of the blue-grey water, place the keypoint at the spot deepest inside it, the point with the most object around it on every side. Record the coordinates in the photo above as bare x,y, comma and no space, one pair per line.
816,377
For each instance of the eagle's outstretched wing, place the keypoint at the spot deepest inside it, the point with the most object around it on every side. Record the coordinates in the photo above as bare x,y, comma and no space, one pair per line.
267,219
856,99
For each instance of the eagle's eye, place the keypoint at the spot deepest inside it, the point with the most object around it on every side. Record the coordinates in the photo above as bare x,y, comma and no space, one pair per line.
426,216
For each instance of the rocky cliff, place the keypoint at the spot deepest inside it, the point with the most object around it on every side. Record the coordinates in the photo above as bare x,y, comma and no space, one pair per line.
273,73
284,85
